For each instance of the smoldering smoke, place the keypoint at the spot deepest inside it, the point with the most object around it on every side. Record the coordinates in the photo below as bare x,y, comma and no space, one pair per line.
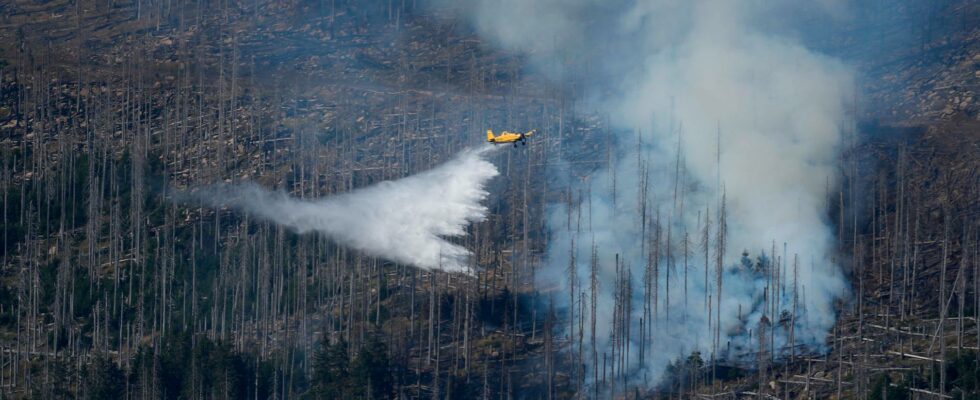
406,220
712,107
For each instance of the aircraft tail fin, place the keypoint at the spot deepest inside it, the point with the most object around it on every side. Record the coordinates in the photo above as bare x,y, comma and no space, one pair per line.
489,135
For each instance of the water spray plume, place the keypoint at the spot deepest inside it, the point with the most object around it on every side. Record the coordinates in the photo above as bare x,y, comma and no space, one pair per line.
406,220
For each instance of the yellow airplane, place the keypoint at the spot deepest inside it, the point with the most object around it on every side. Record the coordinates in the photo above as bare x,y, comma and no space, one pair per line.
509,137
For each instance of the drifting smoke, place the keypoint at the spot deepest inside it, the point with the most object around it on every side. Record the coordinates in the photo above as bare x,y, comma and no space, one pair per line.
405,220
737,112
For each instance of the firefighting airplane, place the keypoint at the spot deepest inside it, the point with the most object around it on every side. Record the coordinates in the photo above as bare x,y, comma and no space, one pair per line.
509,137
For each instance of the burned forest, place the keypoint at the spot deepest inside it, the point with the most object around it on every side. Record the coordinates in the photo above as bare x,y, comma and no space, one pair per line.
489,199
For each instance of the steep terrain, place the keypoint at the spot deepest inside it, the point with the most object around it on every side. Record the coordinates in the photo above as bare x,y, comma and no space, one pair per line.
109,290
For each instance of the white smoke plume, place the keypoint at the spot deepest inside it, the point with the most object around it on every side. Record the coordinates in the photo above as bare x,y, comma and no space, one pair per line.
743,112
406,220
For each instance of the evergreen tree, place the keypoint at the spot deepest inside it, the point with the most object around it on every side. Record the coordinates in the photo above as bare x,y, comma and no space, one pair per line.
371,370
331,378
104,380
